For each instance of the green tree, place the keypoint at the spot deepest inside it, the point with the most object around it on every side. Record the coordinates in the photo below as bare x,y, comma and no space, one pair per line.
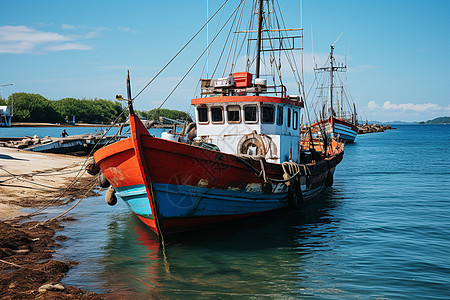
32,108
154,114
35,108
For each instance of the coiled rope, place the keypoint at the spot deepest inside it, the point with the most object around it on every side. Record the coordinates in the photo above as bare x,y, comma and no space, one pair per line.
290,169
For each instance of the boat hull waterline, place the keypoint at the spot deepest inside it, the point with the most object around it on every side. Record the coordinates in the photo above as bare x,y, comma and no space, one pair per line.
175,187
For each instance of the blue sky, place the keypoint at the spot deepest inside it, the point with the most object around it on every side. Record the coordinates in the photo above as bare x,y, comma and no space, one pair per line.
397,51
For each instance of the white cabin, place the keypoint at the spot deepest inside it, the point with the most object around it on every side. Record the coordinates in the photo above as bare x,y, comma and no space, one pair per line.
251,125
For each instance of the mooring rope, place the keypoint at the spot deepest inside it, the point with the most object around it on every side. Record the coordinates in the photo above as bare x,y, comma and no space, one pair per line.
290,169
79,174
78,202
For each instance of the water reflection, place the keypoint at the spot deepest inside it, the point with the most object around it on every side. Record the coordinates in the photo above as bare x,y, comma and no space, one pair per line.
247,259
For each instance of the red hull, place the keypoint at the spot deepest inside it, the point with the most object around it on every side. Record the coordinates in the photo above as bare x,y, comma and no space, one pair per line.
218,182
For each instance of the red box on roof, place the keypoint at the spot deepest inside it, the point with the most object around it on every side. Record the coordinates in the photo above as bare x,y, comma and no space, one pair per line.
242,79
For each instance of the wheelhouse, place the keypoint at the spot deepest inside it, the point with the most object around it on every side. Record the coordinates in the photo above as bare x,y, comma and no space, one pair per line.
227,121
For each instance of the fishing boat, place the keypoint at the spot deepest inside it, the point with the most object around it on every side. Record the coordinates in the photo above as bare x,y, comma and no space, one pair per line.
337,112
246,155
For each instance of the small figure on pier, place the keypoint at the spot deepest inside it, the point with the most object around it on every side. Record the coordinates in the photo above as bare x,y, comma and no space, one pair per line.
64,133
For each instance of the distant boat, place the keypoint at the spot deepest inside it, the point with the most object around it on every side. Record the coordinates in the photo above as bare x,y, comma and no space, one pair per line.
5,116
337,112
76,144
83,144
249,157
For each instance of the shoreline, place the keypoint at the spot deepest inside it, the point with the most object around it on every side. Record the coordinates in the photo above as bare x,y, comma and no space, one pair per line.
34,180
31,124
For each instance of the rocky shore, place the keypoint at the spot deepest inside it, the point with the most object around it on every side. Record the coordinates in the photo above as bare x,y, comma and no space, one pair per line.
34,180
363,129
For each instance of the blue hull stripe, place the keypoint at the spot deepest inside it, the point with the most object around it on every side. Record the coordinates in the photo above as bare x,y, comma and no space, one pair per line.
177,201
192,201
344,132
135,197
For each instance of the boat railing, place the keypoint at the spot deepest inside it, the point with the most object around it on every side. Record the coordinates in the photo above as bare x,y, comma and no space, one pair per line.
211,91
347,117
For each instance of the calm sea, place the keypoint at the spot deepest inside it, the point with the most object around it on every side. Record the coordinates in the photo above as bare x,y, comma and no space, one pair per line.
381,232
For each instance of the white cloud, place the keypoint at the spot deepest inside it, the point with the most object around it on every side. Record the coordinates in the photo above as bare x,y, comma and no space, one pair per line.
405,111
68,46
66,26
425,107
22,39
127,29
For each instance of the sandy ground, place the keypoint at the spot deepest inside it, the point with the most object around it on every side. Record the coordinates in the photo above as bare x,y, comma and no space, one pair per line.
30,179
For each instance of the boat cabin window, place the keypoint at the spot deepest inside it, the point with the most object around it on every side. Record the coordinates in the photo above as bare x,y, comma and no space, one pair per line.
202,114
217,114
268,114
280,115
289,118
234,114
295,119
250,115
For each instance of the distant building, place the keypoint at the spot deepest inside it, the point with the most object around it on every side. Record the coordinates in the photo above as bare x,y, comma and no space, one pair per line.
5,116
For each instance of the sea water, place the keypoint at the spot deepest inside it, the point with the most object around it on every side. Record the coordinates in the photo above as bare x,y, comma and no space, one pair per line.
381,232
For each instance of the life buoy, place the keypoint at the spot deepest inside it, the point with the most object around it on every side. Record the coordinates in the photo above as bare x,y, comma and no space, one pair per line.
295,195
102,181
249,141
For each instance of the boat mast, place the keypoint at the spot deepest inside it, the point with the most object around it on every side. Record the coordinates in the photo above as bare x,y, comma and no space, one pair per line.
331,80
258,39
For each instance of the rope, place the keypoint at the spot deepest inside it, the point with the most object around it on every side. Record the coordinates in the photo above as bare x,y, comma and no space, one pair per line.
78,176
290,169
80,172
78,202
13,176
181,50
195,63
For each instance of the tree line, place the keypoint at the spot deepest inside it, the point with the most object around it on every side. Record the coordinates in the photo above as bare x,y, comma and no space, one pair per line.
154,114
36,108
440,120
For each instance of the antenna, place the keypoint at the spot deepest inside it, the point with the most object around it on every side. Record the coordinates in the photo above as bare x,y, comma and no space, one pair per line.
337,39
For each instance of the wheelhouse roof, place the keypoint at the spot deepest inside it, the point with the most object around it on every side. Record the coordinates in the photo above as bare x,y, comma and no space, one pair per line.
261,99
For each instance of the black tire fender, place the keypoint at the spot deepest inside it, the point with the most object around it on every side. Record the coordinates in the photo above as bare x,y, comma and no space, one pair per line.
295,195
